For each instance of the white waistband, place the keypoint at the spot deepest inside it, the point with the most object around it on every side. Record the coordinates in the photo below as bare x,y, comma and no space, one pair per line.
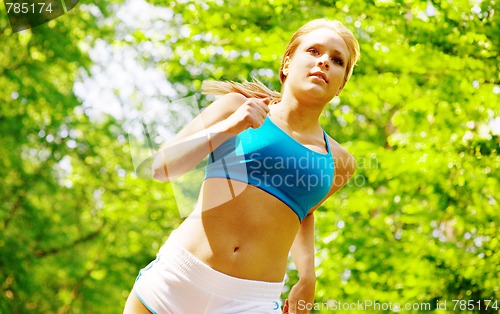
219,283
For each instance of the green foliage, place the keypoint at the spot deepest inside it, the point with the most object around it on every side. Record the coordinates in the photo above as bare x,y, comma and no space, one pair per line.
418,222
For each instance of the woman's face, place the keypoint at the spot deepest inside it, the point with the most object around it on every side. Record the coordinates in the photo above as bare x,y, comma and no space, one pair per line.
317,68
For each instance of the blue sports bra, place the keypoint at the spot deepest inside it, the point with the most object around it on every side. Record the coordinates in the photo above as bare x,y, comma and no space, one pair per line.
270,159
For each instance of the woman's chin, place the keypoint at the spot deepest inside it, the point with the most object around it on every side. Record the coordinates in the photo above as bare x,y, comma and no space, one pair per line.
319,93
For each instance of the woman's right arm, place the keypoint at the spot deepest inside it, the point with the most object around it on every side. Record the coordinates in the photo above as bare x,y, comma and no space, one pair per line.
224,118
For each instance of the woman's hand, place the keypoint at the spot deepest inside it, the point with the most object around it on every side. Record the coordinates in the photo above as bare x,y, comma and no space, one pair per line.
251,114
301,297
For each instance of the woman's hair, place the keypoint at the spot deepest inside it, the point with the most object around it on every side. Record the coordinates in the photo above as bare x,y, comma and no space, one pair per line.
257,89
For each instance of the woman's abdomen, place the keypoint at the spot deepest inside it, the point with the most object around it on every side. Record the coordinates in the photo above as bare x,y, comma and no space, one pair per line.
246,236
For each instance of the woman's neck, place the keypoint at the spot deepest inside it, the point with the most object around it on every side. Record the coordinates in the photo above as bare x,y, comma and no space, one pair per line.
299,116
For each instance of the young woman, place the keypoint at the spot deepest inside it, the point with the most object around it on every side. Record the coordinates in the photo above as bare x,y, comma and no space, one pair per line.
270,166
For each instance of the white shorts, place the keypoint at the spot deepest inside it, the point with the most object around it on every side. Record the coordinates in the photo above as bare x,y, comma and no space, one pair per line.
176,282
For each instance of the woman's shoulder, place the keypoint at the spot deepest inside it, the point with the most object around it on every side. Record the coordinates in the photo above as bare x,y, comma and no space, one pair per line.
230,101
345,162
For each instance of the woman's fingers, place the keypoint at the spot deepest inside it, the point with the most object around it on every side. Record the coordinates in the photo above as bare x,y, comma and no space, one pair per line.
285,307
256,111
251,114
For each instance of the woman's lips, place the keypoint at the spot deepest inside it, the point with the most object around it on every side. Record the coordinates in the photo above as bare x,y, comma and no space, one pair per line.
320,75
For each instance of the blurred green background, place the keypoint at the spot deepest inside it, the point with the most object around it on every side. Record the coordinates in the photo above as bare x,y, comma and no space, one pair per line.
417,224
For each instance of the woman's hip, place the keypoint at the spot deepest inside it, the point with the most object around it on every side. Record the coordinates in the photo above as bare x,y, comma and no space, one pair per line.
177,282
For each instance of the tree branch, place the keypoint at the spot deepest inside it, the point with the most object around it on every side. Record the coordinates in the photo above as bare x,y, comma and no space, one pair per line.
88,237
75,292
12,211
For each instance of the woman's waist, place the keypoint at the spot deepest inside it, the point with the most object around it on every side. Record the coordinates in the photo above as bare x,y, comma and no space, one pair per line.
238,250
247,260
247,235
252,259
185,264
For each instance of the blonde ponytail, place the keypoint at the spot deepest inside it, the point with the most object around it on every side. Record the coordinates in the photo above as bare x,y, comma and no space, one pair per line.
254,89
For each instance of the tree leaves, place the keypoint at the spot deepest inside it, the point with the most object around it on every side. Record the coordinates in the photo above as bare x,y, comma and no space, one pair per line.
418,222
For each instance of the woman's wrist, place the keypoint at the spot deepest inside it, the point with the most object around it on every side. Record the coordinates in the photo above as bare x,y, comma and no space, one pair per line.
227,126
309,278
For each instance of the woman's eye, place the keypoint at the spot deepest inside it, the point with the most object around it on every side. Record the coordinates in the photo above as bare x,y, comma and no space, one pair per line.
338,60
313,51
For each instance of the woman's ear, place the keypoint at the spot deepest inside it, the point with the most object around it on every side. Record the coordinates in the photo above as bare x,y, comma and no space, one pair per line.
286,65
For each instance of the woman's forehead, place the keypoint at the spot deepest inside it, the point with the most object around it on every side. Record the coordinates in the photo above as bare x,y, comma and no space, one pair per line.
326,37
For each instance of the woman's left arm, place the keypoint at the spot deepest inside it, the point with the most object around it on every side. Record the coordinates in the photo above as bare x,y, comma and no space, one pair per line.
302,249
302,293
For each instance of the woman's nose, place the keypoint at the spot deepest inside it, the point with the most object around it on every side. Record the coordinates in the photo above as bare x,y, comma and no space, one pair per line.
323,61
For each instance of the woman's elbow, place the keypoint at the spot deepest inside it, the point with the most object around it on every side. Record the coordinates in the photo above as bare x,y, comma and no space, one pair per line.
159,170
